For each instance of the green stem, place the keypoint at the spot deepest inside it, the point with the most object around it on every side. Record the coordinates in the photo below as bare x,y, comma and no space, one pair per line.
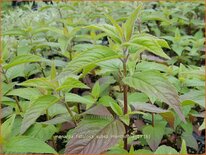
53,140
42,70
17,103
70,112
70,55
61,16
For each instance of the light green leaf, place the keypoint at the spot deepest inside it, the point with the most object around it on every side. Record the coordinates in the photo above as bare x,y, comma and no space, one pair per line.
125,119
23,59
183,147
156,86
190,140
14,32
87,69
118,28
39,83
163,43
71,83
6,87
163,149
129,25
24,144
131,151
145,65
16,71
59,119
69,97
27,93
6,127
149,43
89,57
108,29
143,151
41,131
16,126
155,133
51,29
116,150
6,111
37,108
64,43
106,100
96,90
197,96
116,108
56,109
137,97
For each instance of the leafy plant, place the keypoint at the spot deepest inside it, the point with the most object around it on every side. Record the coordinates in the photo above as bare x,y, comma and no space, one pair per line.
103,82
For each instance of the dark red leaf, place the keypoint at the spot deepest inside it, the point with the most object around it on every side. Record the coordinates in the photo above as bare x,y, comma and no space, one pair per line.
94,136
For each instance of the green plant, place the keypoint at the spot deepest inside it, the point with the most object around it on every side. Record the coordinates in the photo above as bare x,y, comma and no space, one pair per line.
63,86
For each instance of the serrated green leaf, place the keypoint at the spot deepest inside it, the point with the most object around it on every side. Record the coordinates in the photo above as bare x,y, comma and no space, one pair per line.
37,108
27,93
143,151
59,119
116,150
190,140
131,151
197,96
156,86
116,108
6,127
23,59
16,32
41,131
89,57
148,42
118,28
39,83
6,87
96,90
24,144
108,29
106,100
183,147
163,149
125,119
163,43
145,65
155,133
56,109
70,97
129,25
71,83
